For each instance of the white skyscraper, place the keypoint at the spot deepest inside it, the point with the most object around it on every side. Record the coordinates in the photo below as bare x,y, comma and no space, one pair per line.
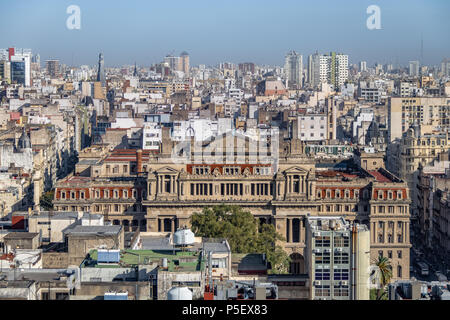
341,69
293,69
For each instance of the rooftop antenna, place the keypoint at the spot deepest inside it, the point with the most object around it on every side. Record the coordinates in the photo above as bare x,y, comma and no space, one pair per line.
421,49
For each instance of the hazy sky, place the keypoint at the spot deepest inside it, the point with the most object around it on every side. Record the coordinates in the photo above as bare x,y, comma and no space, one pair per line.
213,31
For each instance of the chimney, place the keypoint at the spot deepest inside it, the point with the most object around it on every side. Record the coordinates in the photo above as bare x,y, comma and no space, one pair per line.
139,160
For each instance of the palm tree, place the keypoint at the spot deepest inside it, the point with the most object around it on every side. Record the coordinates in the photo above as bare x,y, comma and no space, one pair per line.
385,271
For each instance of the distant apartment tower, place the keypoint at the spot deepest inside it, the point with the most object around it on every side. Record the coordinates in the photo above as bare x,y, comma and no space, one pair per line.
362,66
247,67
101,70
293,69
445,67
337,259
5,71
173,62
338,69
314,70
414,68
53,68
184,62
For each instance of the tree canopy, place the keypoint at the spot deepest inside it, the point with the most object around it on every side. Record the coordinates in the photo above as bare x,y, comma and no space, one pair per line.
46,200
243,232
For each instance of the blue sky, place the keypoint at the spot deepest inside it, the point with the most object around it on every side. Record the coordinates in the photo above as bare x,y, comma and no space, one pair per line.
213,31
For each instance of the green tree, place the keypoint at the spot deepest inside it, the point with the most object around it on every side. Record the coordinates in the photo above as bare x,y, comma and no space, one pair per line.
243,233
384,268
46,200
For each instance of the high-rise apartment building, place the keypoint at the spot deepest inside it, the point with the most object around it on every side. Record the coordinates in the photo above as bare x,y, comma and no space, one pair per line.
338,69
293,69
173,62
314,70
362,66
184,62
332,69
445,67
101,70
53,68
5,70
414,68
428,112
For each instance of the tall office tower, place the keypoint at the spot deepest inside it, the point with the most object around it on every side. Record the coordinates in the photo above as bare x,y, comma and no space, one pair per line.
293,69
337,258
362,66
414,68
101,70
184,61
5,71
53,68
20,66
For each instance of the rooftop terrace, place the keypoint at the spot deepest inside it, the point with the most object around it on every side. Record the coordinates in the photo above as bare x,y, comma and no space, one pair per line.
177,261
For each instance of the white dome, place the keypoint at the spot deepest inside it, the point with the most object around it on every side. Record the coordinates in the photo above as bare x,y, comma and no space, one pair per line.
179,293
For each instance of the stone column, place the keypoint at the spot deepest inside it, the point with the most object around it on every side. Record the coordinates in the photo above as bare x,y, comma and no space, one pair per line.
303,230
172,225
407,232
290,230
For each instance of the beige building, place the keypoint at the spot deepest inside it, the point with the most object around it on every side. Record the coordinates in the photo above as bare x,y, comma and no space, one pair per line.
428,112
414,149
154,192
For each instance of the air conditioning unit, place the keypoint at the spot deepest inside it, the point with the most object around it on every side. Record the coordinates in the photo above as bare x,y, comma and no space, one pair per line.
316,250
344,283
339,249
316,234
317,283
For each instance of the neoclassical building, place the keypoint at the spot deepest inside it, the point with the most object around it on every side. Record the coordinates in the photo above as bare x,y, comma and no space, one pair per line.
160,192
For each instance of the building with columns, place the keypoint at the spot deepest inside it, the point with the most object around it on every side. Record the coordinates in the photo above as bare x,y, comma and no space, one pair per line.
159,191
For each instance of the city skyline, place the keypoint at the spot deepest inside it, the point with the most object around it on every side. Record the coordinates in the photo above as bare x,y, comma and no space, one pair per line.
146,32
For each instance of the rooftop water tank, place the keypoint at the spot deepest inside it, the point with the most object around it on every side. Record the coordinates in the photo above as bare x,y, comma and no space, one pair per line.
179,293
183,237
